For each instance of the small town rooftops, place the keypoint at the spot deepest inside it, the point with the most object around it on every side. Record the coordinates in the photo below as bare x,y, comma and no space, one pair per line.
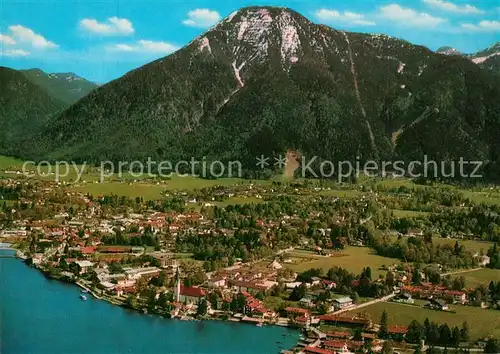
315,350
84,263
343,300
192,291
397,329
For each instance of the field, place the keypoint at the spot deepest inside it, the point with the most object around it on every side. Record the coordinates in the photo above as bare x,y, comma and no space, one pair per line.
341,193
149,190
239,200
480,277
353,259
483,197
408,213
482,322
9,162
471,245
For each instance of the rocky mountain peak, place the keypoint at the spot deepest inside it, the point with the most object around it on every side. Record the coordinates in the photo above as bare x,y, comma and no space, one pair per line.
253,31
446,50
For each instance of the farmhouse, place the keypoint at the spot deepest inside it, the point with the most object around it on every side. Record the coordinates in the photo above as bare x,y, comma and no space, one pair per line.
437,304
343,302
404,298
415,232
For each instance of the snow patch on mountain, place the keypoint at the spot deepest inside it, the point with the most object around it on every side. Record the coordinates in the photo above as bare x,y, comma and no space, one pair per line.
243,27
254,25
265,15
205,43
290,42
480,60
237,74
448,51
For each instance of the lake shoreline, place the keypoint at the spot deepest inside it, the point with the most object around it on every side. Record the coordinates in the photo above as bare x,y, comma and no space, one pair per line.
230,320
57,301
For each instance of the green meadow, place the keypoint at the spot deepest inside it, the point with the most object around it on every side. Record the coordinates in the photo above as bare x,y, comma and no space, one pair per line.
482,322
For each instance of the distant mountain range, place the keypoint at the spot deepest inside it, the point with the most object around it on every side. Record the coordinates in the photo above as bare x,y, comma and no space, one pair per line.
488,58
266,80
25,108
30,98
66,87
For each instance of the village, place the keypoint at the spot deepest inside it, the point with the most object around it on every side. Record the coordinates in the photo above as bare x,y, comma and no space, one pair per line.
152,257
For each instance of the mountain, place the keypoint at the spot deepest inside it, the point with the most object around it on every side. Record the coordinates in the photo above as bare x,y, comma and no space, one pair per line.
266,80
24,108
488,58
66,87
448,51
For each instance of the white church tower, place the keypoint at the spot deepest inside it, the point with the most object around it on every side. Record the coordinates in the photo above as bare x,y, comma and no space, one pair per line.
177,284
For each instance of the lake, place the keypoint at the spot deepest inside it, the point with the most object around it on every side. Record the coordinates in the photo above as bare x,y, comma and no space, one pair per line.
39,315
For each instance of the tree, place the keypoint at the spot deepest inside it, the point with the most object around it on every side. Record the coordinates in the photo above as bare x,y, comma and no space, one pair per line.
355,297
202,307
298,293
444,334
389,279
358,334
415,332
455,336
386,348
432,350
418,350
131,301
383,332
417,277
238,303
492,346
464,332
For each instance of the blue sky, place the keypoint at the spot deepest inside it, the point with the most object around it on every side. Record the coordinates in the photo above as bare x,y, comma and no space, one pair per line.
102,40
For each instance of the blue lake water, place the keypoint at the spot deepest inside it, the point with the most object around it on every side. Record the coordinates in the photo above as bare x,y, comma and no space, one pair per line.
38,315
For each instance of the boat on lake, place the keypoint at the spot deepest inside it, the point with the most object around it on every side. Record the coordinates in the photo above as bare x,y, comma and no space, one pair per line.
83,297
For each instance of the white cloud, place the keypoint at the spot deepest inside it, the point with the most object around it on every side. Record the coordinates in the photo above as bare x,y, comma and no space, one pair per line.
409,17
483,26
145,46
348,17
448,6
6,39
27,35
113,26
14,53
123,48
157,47
202,18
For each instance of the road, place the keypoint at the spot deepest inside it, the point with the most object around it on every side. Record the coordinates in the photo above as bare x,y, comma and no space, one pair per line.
462,271
364,304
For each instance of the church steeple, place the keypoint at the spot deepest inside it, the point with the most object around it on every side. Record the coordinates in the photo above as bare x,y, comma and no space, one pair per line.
177,284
